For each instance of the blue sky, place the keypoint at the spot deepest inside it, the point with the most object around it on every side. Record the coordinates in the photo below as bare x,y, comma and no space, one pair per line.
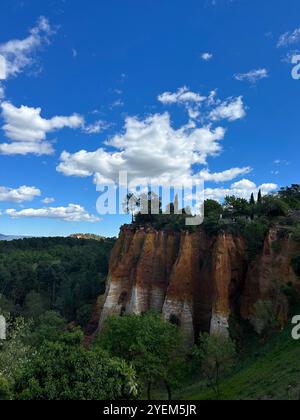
167,89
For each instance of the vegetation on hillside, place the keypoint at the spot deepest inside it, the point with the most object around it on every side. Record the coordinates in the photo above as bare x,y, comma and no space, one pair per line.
62,274
264,371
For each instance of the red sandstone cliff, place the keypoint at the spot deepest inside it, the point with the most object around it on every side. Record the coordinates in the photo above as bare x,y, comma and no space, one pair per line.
194,279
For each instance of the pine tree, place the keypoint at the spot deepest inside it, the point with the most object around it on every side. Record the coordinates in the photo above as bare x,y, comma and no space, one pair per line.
252,200
259,196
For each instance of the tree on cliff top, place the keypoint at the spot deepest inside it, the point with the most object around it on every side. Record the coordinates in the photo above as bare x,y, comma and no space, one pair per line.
212,208
272,206
150,344
131,205
291,195
259,197
236,206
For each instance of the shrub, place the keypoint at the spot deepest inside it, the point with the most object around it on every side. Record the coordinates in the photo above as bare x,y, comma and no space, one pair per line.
255,234
216,355
5,390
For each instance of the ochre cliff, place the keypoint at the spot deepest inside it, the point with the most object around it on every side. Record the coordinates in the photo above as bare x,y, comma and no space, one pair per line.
195,280
271,270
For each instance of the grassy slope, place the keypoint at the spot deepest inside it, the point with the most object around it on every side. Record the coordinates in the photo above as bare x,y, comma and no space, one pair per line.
273,372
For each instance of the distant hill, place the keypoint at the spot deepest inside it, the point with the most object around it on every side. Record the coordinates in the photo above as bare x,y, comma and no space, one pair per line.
10,237
87,236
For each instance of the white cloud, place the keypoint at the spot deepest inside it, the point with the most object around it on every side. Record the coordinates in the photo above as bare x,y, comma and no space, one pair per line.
152,149
17,54
242,189
3,69
96,127
27,130
207,56
149,148
281,162
182,96
224,176
117,104
26,124
19,195
48,200
2,92
289,38
252,76
72,213
233,109
26,148
210,108
191,100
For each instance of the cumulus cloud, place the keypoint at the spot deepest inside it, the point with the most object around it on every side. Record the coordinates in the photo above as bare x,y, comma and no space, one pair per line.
207,56
252,76
96,127
233,109
210,108
148,149
72,213
27,130
289,38
48,200
16,54
152,150
19,195
2,92
224,176
26,148
182,96
242,189
3,69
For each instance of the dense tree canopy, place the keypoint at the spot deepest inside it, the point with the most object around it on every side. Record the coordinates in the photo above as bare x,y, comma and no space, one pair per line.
153,346
66,370
63,274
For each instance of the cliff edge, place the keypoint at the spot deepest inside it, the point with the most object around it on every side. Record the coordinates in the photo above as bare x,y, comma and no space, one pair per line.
196,280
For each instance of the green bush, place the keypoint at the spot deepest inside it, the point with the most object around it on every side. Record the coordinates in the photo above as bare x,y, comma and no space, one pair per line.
255,235
5,389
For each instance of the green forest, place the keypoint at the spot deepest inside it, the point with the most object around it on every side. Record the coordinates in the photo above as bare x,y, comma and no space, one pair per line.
61,274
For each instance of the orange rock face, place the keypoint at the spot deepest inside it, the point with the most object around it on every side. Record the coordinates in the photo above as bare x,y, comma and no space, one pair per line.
194,280
271,270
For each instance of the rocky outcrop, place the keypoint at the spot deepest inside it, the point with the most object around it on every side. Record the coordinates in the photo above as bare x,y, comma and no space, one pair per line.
271,270
195,280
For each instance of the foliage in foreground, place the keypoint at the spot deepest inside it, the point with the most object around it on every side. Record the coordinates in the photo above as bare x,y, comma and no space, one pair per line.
50,362
216,355
65,370
153,347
